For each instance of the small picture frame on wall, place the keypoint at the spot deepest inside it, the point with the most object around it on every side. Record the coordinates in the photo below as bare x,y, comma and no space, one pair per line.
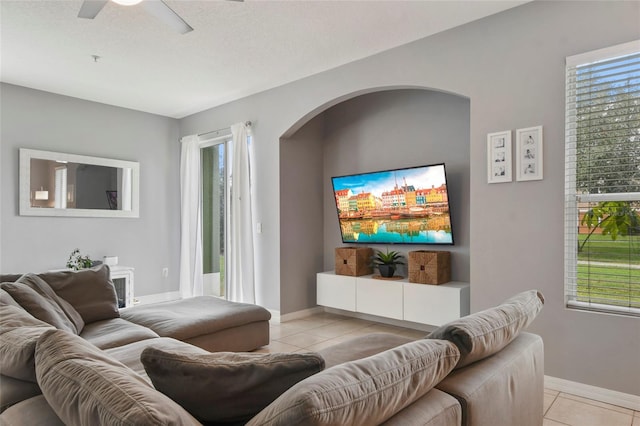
499,157
529,153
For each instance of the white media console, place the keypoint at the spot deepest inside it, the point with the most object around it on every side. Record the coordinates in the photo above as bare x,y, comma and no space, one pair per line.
399,299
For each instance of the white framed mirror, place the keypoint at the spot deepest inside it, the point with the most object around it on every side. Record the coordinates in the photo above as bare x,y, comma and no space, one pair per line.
58,184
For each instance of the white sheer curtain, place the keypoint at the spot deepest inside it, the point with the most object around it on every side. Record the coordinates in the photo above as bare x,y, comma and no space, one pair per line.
241,274
191,276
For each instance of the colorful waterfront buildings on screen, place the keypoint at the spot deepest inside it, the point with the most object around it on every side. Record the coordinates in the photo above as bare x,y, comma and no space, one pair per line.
405,197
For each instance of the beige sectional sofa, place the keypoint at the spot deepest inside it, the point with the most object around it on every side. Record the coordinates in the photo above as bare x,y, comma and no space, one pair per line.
480,370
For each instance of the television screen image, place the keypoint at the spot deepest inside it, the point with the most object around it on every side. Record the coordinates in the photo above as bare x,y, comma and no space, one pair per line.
401,206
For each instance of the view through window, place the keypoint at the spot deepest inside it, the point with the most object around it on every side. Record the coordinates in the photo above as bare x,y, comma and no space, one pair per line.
602,181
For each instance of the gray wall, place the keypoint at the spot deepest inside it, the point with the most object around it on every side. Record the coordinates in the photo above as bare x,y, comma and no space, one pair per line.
395,129
511,68
41,120
301,226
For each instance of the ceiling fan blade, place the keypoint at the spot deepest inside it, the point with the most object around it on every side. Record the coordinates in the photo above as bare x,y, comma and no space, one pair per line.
163,12
90,8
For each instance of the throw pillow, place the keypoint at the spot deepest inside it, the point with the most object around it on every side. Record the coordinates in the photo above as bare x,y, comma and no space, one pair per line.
84,386
41,307
90,292
19,332
9,278
368,391
484,333
225,386
6,299
44,289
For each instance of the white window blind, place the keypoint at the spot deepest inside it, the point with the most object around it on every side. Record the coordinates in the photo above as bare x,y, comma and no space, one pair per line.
602,180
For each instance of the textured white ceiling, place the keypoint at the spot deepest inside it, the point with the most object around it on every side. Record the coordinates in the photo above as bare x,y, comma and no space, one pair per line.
236,48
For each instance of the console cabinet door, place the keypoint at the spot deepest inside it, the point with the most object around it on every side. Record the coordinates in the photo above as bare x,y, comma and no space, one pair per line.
435,304
336,291
379,297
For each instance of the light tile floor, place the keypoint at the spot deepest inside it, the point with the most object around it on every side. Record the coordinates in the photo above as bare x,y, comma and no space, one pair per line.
325,329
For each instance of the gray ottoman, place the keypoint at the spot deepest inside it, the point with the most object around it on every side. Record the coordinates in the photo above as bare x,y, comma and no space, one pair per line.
213,324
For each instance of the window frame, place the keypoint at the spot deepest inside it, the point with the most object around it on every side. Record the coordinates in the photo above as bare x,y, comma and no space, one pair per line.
572,197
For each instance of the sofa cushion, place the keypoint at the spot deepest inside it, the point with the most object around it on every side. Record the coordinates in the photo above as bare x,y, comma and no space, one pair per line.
435,408
243,338
225,386
114,332
4,278
484,333
84,386
195,316
41,307
129,354
19,332
14,316
367,391
30,412
12,391
44,289
6,299
90,291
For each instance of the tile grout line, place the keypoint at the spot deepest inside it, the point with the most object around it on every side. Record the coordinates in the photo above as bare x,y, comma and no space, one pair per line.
555,398
585,401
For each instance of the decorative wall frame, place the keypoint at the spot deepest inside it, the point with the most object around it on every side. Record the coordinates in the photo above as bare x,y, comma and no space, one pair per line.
529,153
499,157
32,162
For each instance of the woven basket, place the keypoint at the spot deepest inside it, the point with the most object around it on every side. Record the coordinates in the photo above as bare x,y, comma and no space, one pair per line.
429,267
353,261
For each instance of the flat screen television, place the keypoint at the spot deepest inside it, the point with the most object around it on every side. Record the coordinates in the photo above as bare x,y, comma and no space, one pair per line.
400,206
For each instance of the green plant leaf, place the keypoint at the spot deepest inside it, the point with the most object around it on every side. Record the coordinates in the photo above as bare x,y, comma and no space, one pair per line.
613,218
389,258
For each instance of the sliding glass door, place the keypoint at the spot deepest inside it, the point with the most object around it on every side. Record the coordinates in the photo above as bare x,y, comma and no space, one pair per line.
215,196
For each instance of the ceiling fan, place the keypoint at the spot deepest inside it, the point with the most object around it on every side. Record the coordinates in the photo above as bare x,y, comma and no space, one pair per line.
158,8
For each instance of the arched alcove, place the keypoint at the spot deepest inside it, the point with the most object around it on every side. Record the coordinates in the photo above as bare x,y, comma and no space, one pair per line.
380,130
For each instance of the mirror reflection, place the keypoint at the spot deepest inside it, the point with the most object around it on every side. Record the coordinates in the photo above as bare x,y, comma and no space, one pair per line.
57,184
68,185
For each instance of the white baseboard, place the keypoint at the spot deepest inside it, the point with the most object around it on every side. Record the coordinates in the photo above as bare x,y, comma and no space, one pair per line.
275,315
620,399
156,298
301,314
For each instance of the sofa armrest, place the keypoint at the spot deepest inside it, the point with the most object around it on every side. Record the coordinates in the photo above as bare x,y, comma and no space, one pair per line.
506,388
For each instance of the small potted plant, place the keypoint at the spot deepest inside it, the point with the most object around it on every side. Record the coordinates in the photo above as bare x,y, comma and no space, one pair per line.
387,262
77,261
